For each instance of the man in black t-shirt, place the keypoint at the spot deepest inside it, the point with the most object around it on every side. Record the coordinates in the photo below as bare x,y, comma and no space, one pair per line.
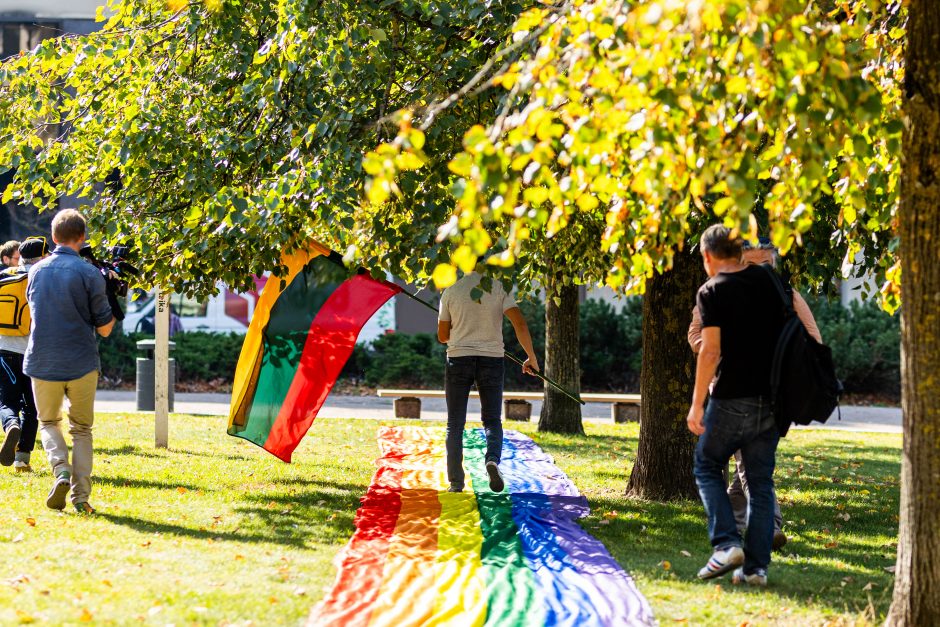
741,320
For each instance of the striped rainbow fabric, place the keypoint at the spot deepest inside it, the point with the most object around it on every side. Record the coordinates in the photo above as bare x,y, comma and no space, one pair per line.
424,556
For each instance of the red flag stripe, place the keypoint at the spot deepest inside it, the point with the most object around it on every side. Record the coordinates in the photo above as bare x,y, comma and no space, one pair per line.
328,346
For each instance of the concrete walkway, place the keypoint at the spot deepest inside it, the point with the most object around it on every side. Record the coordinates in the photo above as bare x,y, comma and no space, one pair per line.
872,419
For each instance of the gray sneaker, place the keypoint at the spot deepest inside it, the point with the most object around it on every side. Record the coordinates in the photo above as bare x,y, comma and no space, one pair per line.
60,489
8,449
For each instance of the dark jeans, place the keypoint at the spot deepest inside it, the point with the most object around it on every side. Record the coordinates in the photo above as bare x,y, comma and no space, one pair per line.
461,373
16,397
746,424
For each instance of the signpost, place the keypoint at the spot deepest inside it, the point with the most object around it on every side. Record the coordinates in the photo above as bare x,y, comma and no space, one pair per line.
161,356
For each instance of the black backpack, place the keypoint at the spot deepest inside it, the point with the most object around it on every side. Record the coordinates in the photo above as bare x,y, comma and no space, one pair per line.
803,382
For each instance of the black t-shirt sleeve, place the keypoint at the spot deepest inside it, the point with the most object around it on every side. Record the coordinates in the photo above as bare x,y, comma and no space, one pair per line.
708,307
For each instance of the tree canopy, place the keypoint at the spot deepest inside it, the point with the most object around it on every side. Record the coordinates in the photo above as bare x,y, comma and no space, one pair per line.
644,117
215,134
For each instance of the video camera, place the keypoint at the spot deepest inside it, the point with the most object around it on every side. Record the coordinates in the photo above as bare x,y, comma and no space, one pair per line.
116,286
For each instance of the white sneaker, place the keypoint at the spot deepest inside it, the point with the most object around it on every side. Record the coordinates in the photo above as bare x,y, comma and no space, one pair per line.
757,578
721,562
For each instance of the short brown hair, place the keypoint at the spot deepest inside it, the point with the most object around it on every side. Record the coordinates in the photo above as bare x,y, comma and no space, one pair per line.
717,242
9,248
68,226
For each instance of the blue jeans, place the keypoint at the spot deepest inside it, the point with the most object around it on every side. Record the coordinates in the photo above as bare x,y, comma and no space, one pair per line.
16,399
746,424
460,374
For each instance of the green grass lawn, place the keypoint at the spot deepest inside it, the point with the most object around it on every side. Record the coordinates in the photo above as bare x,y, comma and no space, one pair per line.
216,531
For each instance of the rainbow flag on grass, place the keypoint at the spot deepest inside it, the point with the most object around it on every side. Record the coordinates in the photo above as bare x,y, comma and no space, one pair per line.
300,336
424,556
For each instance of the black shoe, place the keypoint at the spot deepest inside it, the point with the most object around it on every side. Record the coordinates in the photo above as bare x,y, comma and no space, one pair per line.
455,488
496,479
8,450
60,489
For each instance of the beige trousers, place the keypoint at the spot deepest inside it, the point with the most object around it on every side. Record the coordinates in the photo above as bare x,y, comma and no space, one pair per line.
81,395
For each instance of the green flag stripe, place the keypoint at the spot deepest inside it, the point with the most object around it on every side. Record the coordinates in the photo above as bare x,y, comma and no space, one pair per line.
512,597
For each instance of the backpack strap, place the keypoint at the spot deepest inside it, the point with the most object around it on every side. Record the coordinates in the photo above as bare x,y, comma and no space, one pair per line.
785,295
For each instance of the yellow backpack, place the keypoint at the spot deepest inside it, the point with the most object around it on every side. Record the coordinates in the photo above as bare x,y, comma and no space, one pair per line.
14,310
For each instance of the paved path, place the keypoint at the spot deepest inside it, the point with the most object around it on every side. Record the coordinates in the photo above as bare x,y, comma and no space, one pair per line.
878,419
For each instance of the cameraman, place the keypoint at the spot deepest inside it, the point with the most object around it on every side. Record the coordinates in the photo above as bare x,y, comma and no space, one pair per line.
69,304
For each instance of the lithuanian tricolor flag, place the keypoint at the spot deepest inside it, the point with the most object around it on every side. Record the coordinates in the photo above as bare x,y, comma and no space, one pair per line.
300,336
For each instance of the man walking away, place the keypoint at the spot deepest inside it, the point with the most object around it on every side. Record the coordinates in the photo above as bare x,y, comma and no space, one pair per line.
16,391
763,253
473,332
68,304
741,320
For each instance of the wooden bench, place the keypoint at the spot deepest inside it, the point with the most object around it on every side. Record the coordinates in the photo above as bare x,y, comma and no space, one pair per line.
623,407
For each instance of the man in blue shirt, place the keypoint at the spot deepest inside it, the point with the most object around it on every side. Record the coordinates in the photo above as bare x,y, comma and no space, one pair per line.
69,305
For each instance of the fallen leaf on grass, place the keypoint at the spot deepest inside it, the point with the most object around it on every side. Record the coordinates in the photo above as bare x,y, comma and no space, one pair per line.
868,586
86,616
182,490
300,591
31,522
831,545
106,582
18,538
890,569
665,564
24,617
685,553
145,544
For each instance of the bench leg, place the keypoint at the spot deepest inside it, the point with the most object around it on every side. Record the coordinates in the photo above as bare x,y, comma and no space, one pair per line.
408,407
515,409
625,412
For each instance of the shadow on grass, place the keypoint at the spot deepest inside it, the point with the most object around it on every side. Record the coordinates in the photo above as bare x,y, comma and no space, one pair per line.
282,519
133,450
124,482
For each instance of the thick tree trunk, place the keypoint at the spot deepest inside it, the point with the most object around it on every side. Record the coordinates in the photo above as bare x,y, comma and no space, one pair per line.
663,467
917,586
560,414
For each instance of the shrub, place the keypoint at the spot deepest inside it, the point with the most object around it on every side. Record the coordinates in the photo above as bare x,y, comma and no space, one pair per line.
611,345
407,360
200,356
866,345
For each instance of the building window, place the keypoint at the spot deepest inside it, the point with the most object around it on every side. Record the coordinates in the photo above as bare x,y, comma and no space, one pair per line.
16,37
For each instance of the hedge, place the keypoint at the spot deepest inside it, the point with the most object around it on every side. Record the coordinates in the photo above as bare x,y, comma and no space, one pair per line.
865,342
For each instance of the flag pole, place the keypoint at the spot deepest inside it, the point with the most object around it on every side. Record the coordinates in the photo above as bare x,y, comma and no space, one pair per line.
507,354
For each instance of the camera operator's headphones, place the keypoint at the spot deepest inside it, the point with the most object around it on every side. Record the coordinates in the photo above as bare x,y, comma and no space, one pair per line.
34,247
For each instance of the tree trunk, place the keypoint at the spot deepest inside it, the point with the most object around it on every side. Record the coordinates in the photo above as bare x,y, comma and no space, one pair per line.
663,467
560,414
917,585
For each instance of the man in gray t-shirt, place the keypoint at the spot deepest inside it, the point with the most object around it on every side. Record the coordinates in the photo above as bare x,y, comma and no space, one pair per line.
473,332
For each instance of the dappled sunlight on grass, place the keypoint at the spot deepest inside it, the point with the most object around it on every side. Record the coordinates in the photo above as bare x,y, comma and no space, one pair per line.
215,530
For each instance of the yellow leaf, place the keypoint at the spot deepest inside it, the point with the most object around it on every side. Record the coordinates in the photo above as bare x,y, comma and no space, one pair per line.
24,617
176,5
86,616
182,490
464,258
31,522
444,275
